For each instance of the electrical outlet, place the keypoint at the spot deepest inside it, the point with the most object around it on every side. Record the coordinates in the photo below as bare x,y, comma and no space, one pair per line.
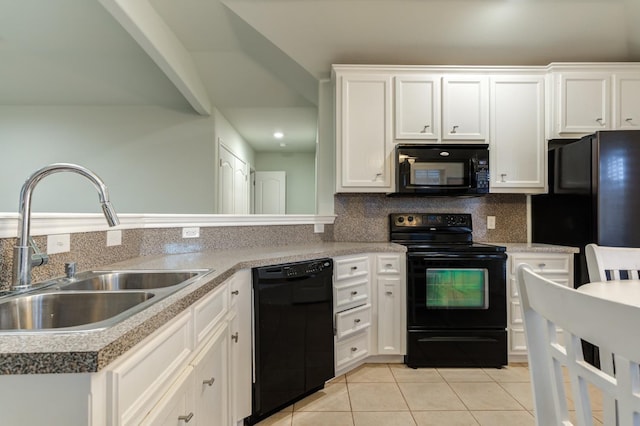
193,232
491,222
318,228
60,243
114,238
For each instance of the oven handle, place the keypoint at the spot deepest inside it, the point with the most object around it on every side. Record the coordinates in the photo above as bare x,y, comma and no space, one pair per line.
457,339
441,255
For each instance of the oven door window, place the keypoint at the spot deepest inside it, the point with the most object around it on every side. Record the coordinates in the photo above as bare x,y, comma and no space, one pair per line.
452,288
438,174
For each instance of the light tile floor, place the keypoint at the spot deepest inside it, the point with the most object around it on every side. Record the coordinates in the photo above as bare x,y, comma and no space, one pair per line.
395,395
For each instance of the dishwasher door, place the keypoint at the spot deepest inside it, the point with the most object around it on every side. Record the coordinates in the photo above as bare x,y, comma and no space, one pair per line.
293,342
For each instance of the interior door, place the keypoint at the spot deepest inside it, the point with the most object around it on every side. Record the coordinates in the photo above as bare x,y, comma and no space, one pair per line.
270,192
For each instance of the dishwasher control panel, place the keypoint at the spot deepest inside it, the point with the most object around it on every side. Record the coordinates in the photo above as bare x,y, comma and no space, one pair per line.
296,269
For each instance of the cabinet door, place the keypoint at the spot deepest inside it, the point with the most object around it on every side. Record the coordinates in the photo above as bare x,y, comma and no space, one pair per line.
390,329
363,125
240,329
584,103
417,107
176,406
627,101
465,100
211,380
517,152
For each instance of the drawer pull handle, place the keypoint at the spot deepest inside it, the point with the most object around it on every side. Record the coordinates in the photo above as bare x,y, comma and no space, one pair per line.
353,268
357,320
542,265
354,349
353,293
209,382
234,337
235,292
424,130
388,266
186,418
389,293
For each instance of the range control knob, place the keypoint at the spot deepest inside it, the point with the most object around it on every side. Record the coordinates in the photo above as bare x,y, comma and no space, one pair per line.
410,218
401,219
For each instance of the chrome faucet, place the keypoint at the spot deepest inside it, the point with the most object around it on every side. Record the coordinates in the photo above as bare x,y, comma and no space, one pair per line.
23,253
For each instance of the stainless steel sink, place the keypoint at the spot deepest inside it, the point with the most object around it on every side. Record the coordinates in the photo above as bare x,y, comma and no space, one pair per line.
67,309
89,301
129,280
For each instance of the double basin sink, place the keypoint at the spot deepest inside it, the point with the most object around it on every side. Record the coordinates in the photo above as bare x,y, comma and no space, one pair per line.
92,300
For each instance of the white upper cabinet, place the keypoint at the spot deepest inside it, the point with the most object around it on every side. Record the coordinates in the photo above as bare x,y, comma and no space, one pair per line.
627,105
583,103
364,144
417,107
465,101
594,96
517,134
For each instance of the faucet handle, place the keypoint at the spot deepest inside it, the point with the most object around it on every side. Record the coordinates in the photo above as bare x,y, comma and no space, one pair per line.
70,269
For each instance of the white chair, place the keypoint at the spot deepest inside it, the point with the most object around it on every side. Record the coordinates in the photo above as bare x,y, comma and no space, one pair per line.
606,264
547,306
612,263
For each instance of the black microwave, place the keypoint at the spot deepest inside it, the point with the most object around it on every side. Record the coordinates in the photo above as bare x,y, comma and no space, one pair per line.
442,169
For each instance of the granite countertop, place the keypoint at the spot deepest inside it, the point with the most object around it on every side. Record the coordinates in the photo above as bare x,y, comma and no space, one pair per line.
91,351
537,248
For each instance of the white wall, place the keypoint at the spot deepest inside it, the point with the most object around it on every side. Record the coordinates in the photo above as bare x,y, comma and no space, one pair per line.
154,160
300,170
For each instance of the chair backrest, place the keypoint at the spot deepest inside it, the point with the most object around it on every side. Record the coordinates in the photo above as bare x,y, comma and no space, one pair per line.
612,263
547,308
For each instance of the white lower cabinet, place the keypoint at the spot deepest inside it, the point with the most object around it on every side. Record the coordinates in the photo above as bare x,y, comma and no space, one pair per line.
557,267
176,406
369,307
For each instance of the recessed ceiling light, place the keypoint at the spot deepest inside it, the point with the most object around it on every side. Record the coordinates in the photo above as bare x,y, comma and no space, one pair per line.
278,135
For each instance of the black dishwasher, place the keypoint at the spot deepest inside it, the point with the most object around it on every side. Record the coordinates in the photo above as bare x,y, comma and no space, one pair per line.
293,333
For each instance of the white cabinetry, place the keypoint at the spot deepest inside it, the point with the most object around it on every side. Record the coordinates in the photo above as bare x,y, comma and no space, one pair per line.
517,135
465,101
557,267
595,96
627,106
417,107
352,308
241,346
391,303
364,144
583,102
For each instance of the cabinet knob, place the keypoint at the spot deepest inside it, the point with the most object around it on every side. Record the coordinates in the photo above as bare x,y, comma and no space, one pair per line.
389,293
186,418
357,320
353,268
424,130
388,266
454,129
541,265
503,177
209,382
353,293
600,121
234,337
354,349
235,292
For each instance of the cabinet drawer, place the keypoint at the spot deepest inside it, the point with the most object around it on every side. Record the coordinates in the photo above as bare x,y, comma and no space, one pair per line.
137,383
209,311
388,264
350,296
352,321
541,264
352,349
351,267
515,313
517,340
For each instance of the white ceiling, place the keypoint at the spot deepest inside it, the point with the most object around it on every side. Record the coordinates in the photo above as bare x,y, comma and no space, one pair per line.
260,60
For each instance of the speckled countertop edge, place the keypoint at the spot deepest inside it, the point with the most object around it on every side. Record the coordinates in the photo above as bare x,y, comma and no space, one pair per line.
537,248
86,352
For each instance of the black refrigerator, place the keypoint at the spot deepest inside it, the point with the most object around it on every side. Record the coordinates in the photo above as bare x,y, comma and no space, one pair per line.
594,195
